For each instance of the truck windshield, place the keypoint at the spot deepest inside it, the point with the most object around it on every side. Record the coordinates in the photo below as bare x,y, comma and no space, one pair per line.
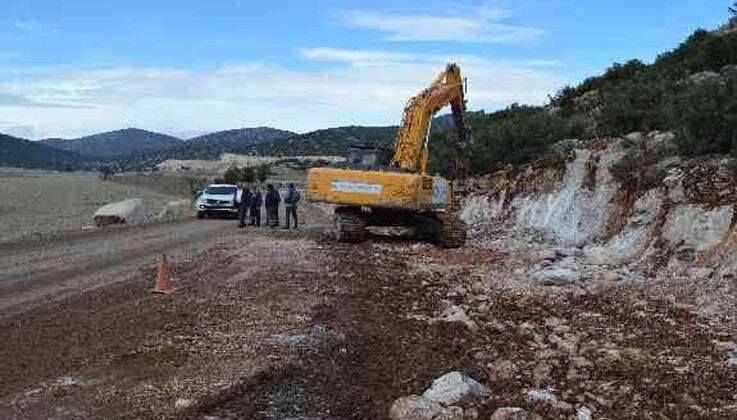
220,190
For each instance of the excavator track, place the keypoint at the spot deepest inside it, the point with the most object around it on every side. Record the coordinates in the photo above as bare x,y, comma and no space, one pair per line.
349,226
451,232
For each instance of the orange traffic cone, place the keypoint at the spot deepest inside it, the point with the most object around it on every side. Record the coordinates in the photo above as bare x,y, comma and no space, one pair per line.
163,279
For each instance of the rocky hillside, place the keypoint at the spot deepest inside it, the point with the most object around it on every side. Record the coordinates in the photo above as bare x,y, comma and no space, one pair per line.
28,154
617,209
690,91
239,138
114,143
332,141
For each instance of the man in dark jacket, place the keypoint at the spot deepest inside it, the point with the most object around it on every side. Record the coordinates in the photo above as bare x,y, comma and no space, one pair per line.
243,205
256,202
272,206
290,203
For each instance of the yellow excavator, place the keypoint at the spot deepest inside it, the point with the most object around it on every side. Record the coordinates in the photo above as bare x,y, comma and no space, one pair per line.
402,194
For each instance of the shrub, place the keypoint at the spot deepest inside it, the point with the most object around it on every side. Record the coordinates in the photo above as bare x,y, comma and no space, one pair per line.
517,134
707,116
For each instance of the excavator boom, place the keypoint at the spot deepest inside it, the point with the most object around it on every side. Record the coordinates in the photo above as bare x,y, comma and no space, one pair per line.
410,150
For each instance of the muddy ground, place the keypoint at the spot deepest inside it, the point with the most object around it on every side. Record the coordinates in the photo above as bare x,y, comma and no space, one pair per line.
272,324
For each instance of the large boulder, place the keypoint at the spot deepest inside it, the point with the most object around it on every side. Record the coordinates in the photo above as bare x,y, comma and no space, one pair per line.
416,407
129,211
455,388
175,210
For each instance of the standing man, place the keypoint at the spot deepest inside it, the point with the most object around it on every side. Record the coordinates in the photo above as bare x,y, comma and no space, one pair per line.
256,202
290,203
272,206
243,205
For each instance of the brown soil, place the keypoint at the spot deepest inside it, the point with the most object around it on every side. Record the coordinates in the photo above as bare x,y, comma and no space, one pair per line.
270,324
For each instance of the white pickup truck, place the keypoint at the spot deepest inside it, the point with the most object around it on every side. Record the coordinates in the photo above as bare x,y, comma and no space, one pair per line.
217,199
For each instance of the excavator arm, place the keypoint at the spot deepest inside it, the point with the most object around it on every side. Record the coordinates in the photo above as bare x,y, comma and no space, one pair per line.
411,149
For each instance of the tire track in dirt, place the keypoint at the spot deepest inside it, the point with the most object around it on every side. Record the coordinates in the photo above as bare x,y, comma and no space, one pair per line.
51,272
129,351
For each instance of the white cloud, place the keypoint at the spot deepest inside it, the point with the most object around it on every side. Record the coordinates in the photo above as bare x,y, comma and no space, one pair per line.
253,94
28,26
482,25
544,63
16,130
356,56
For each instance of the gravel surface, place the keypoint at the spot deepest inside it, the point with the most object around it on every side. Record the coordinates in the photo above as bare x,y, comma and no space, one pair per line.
274,324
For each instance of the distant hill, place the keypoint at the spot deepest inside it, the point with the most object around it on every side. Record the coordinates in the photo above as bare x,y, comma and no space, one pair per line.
119,142
240,137
331,141
264,141
29,154
209,146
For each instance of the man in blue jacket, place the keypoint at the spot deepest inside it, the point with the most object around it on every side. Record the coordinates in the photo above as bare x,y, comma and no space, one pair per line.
290,203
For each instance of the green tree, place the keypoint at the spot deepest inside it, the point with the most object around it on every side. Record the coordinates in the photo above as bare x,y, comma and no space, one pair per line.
262,172
248,174
232,175
733,10
707,113
235,175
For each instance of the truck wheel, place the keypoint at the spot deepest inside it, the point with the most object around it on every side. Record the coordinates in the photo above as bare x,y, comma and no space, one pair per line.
349,227
201,215
451,232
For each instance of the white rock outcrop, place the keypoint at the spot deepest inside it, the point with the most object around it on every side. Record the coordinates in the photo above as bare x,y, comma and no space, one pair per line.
624,209
696,226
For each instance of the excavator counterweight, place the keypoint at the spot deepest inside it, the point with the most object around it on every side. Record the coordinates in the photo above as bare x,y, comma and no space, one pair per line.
402,194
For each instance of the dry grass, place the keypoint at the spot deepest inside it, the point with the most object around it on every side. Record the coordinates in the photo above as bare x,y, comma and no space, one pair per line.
36,204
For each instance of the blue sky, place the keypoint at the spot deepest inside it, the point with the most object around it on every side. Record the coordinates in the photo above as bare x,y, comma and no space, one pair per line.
75,67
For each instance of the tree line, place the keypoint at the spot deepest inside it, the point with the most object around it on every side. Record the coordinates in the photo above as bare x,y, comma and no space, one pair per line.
691,90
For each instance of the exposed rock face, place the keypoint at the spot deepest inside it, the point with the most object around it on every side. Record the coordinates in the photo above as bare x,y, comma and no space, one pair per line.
128,211
696,226
621,208
573,213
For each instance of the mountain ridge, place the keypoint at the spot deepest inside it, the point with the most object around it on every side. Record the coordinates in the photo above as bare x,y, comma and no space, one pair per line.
23,153
116,142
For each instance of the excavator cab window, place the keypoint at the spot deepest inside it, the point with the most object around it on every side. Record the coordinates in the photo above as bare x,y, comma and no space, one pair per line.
364,156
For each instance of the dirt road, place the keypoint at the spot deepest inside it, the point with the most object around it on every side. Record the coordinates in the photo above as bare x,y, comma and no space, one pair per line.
272,324
52,270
